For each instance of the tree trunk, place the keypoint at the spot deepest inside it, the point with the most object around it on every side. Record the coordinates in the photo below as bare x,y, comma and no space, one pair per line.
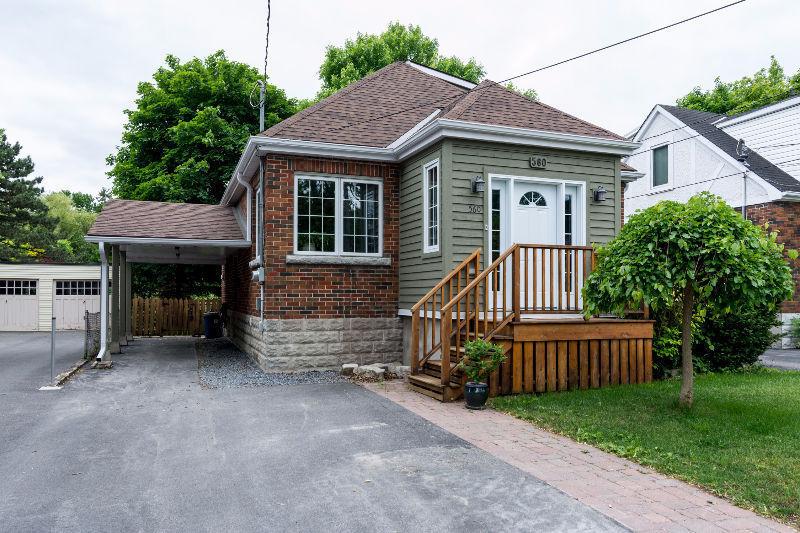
687,368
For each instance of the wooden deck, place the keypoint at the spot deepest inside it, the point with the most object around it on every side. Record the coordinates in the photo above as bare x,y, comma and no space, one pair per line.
548,347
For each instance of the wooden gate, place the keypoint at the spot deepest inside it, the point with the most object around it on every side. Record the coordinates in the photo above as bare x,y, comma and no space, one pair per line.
157,317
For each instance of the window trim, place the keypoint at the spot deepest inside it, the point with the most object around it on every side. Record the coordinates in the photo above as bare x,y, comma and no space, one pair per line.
428,248
668,184
339,215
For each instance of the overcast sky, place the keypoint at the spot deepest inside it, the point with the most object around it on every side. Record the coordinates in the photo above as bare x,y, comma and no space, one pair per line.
68,69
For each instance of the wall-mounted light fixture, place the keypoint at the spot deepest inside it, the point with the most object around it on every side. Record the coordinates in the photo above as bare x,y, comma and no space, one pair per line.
600,194
478,184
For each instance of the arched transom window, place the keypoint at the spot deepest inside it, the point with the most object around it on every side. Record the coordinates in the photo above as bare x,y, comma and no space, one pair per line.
532,199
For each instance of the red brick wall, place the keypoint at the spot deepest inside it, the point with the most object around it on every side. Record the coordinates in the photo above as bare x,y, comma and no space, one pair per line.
785,218
315,291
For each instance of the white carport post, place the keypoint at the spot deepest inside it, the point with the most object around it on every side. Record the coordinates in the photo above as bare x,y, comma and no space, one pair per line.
124,305
104,354
115,300
129,299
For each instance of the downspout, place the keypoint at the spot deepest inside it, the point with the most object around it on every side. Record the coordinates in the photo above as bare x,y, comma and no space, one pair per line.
103,302
249,189
261,222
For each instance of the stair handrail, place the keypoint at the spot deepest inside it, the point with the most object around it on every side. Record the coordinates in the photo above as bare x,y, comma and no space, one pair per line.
447,309
472,260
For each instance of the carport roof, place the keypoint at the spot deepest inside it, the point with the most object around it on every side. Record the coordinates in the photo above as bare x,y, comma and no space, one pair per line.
162,220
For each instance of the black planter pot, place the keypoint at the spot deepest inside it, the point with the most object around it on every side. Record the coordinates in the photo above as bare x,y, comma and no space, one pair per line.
476,394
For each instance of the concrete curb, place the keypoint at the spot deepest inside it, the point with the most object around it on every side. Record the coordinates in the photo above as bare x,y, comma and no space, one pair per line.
64,376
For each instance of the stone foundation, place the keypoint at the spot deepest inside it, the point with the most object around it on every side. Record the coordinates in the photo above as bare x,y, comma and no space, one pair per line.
316,343
786,342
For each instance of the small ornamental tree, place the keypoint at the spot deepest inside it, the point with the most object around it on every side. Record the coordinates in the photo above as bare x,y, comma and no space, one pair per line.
698,253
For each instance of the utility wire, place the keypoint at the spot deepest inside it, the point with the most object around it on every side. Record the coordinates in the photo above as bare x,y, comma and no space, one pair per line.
266,45
739,173
551,65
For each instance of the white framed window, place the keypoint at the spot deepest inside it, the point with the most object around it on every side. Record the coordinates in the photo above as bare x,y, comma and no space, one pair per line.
18,287
77,288
660,167
337,215
431,206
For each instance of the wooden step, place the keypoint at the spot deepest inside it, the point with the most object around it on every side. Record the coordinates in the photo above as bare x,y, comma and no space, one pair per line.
432,386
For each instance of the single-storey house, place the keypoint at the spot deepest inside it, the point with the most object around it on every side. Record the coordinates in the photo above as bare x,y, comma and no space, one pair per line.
685,151
349,230
31,294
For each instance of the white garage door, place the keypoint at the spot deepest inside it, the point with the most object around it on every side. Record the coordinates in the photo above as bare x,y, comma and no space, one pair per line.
19,305
71,300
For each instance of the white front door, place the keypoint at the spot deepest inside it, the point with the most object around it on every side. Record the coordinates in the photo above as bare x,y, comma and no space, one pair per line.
536,212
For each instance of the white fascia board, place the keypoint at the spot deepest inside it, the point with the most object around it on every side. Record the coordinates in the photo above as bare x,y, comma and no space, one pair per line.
789,102
460,129
443,76
427,132
791,196
628,176
413,131
236,243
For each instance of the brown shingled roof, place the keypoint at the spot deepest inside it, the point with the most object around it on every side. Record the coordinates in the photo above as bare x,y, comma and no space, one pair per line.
162,220
378,109
626,167
491,103
405,93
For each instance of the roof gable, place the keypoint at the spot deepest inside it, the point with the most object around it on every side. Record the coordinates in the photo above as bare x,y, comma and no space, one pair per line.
373,111
704,124
491,103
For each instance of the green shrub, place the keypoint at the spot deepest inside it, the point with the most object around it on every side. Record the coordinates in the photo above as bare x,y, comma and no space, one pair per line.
481,358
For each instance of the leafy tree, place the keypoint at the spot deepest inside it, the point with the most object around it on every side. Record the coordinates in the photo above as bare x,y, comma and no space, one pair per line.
368,53
87,202
72,224
767,86
527,93
186,134
701,253
24,225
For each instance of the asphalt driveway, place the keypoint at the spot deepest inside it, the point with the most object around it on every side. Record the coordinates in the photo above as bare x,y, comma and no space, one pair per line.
25,358
146,447
783,359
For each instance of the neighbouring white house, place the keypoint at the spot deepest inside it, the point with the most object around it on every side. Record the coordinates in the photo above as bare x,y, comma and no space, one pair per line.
685,151
32,293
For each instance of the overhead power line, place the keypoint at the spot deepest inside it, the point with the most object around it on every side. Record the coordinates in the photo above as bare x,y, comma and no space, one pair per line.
738,173
551,65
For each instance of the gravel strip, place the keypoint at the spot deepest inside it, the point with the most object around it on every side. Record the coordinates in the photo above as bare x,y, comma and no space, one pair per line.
222,365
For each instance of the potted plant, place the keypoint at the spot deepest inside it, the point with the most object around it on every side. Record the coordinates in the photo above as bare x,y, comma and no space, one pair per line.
481,358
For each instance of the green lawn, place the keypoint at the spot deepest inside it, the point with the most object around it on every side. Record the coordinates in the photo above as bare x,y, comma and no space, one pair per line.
741,440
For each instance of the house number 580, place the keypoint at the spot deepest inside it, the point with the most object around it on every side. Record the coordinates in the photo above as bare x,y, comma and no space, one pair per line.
476,209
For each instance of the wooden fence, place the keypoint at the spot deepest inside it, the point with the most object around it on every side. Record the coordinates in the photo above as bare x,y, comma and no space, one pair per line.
158,317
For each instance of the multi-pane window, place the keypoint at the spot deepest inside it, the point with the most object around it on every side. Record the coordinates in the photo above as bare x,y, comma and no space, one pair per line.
316,215
532,199
568,219
18,287
660,166
77,288
360,203
496,223
338,216
432,197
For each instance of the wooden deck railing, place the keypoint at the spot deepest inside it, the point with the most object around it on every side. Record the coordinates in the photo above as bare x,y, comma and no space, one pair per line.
525,279
427,312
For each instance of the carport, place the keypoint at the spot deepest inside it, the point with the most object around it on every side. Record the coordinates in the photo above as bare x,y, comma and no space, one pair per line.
132,231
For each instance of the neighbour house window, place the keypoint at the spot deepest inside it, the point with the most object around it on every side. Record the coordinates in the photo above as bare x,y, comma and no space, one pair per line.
338,216
431,191
77,288
18,287
660,166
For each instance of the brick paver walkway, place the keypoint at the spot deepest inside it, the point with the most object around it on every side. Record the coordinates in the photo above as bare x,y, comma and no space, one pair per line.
637,497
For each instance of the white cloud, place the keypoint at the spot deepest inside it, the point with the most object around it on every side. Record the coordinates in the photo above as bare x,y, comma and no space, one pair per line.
70,69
